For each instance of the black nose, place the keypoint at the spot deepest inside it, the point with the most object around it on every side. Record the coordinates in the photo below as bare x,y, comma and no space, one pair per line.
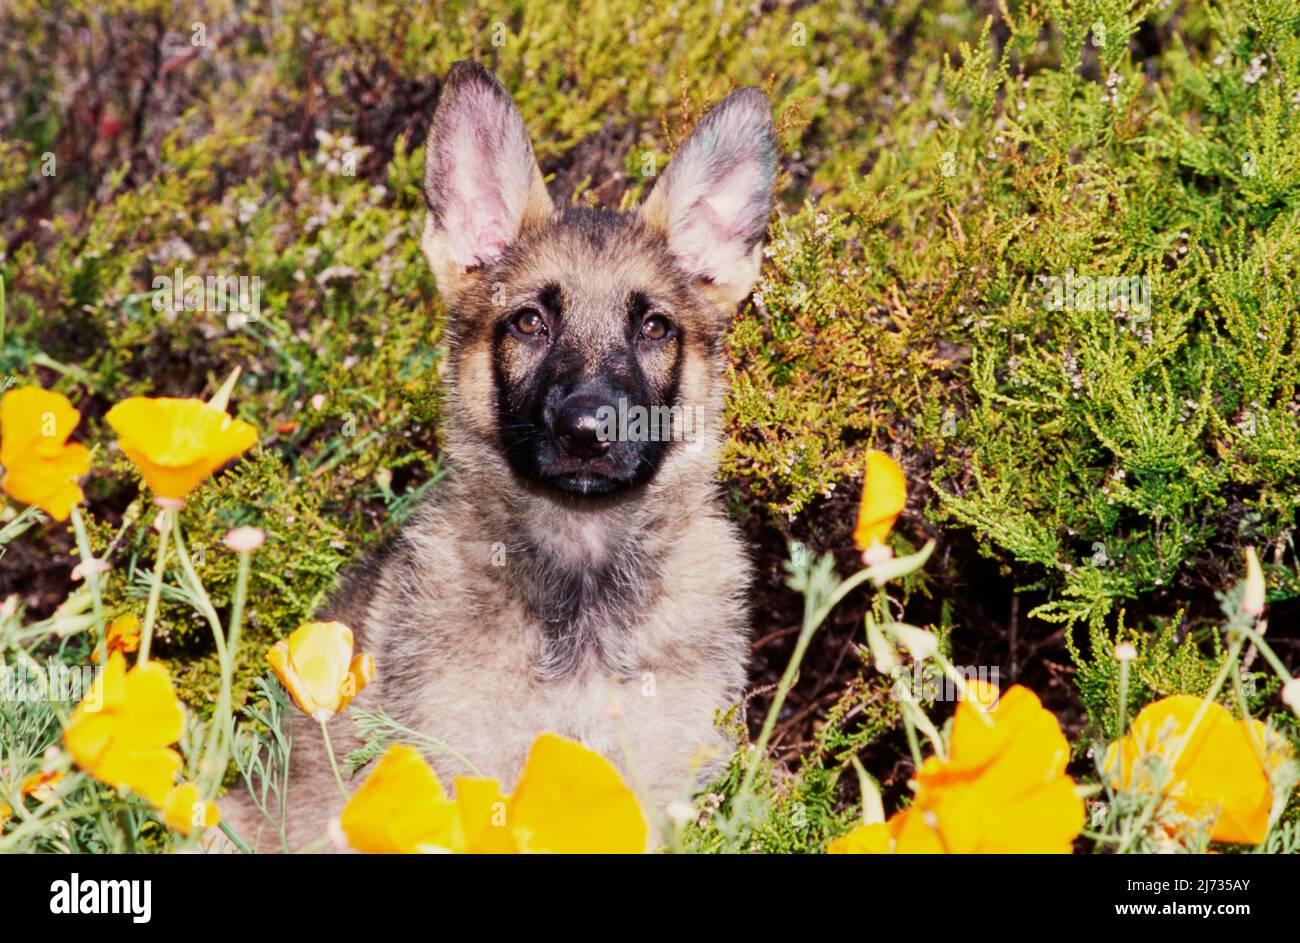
579,429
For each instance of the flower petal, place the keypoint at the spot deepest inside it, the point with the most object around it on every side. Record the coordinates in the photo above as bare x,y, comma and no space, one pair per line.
40,469
884,494
182,806
483,817
570,799
400,808
871,839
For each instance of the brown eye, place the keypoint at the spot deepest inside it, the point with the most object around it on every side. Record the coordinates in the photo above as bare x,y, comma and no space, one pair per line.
530,323
655,328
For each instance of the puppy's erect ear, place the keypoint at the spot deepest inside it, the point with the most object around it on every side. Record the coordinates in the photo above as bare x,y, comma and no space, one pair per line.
715,199
482,185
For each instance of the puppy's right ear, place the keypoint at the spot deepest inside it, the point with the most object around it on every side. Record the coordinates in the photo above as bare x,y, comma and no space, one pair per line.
482,185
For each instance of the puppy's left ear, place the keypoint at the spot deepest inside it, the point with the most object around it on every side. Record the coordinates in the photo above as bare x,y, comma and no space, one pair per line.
715,198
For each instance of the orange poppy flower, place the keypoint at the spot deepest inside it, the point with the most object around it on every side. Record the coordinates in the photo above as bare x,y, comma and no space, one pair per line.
1217,776
1003,788
884,494
123,635
184,812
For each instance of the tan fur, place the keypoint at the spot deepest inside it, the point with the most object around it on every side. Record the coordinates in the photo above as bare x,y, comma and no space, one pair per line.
618,621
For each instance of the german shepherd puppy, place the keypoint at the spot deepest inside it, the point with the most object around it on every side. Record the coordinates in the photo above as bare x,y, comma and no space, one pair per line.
577,573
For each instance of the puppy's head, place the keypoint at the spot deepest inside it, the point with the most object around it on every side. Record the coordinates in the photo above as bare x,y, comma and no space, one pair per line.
586,344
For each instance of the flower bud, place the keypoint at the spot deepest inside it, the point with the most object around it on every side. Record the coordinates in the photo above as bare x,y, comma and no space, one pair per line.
87,567
245,539
1252,597
882,650
920,643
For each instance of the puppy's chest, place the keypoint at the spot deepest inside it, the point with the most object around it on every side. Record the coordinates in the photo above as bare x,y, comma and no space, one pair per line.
488,686
654,724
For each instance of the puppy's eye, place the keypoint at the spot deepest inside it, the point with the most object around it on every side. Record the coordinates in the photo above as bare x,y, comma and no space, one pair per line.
656,328
529,322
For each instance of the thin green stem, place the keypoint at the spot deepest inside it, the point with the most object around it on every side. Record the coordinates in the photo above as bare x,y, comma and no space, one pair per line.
92,579
1260,746
1123,709
329,751
759,750
212,764
1266,650
836,596
196,585
235,839
155,591
34,825
814,616
225,700
913,744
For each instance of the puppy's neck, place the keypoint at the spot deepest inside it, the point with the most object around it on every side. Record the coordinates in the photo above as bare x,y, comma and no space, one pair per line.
585,569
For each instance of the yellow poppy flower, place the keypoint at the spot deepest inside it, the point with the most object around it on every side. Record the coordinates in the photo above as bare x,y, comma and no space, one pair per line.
176,443
122,732
568,800
871,839
181,806
40,468
123,636
400,808
1003,788
884,494
1217,777
316,667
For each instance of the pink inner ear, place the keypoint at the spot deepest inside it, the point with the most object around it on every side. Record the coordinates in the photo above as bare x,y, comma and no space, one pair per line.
476,232
475,216
485,167
709,238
